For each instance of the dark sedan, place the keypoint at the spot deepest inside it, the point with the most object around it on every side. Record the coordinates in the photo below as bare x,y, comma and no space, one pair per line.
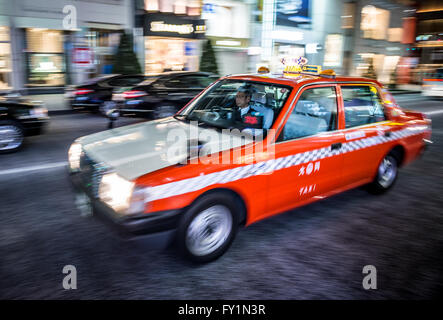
163,95
19,118
94,94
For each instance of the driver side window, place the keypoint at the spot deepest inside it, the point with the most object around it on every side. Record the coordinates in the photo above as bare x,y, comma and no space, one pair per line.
315,111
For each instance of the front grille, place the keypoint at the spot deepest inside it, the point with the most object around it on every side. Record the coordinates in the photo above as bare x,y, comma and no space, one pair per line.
91,173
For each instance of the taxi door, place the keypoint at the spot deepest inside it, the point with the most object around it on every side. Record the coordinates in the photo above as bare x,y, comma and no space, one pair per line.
364,122
307,161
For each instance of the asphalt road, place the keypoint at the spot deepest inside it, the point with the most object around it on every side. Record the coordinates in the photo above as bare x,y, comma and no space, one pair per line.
314,252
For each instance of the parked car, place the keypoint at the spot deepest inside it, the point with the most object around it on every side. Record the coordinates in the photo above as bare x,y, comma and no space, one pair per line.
433,84
161,96
320,135
19,118
94,94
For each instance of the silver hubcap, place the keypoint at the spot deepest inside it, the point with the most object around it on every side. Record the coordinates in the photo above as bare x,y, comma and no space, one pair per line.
209,230
10,137
387,172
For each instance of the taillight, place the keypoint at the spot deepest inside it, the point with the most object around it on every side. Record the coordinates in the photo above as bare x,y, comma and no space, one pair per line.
82,91
134,94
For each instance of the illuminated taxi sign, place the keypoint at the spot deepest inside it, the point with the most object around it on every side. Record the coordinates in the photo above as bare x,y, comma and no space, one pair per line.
295,66
263,69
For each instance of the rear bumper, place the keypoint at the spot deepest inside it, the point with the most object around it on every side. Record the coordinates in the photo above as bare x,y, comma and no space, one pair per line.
76,105
157,226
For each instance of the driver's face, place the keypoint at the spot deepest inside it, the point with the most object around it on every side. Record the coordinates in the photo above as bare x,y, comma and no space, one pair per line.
242,99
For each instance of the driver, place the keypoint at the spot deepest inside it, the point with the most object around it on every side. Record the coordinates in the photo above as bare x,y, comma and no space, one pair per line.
245,106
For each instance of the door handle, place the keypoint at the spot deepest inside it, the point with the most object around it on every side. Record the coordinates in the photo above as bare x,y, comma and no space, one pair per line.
387,134
336,146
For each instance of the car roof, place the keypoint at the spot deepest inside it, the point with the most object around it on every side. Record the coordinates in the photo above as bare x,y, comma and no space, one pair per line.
183,73
300,79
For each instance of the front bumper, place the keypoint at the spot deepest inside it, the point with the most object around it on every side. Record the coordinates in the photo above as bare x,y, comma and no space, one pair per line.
35,126
158,226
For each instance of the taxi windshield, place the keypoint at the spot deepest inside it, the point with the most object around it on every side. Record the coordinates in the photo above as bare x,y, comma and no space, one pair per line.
244,105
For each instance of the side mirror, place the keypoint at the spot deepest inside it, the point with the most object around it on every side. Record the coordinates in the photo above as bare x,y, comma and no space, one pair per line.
112,115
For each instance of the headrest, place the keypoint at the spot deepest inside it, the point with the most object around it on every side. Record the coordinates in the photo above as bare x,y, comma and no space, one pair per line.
259,97
307,106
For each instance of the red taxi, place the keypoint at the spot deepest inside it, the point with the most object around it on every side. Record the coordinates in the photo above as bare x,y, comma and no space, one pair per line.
246,148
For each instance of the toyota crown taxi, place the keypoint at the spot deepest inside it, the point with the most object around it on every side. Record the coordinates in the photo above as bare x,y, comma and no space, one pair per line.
248,147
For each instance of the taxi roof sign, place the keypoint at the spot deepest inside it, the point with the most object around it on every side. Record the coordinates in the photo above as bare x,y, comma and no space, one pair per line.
263,69
295,66
298,65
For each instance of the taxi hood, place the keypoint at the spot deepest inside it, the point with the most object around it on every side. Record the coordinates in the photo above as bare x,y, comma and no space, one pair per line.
135,150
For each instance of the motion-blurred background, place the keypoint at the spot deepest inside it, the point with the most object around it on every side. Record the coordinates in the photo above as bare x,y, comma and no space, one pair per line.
43,49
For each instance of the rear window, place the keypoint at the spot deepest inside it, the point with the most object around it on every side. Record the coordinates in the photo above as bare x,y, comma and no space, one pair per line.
98,79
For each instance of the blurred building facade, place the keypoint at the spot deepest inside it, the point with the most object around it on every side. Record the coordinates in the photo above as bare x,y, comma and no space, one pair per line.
349,36
168,35
392,40
37,51
427,54
378,34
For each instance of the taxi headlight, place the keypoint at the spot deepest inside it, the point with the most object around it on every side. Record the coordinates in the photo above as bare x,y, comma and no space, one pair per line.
74,154
122,195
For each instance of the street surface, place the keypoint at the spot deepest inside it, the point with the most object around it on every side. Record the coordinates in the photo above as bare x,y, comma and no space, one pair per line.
314,252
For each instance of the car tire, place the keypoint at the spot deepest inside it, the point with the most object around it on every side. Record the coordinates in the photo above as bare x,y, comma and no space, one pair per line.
387,173
208,227
11,136
165,110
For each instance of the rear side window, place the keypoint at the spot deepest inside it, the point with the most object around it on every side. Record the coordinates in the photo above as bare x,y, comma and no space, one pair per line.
362,105
125,81
315,112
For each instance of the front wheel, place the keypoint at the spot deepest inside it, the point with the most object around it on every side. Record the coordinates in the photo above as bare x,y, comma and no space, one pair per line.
208,228
386,175
11,136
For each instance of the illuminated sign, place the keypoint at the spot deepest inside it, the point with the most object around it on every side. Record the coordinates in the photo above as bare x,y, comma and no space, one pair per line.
168,25
161,26
297,65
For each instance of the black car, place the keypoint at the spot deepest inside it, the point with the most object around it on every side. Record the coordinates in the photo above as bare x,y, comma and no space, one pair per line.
163,95
19,118
94,93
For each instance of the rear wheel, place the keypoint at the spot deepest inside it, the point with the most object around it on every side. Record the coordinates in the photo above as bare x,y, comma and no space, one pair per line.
208,228
11,136
387,173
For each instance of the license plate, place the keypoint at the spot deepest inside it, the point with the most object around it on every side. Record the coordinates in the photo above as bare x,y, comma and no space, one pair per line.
84,204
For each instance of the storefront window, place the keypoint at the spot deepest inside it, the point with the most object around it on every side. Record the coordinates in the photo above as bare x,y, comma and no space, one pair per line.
395,34
333,50
45,57
170,54
374,22
5,59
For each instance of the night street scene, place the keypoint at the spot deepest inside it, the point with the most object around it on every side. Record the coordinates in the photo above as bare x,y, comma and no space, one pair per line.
221,150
